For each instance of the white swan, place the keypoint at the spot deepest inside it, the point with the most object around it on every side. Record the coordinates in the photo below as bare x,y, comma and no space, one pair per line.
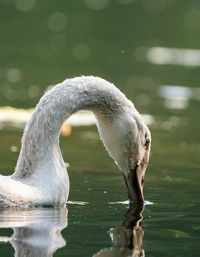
40,176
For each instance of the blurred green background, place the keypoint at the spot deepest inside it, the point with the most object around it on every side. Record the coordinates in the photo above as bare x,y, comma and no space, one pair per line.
150,50
44,42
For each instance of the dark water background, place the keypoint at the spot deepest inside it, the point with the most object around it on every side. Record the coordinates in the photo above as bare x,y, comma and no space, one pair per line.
44,42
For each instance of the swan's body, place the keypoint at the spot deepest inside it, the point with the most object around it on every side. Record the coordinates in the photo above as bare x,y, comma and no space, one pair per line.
40,176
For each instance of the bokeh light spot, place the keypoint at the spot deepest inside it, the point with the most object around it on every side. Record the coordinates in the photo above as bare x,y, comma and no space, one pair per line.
192,18
57,21
13,75
10,93
25,5
33,91
81,51
97,4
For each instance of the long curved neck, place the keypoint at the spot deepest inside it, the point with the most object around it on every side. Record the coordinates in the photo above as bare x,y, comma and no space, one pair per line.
40,142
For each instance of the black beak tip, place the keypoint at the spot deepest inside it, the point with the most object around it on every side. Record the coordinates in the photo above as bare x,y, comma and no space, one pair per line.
134,183
137,201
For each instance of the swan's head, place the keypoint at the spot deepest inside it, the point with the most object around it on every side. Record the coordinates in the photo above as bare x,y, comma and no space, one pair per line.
128,140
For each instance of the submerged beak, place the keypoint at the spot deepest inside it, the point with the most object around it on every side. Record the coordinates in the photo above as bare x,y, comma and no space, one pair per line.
134,181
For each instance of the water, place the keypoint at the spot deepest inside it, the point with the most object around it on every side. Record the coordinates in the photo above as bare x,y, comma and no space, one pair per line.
137,45
171,225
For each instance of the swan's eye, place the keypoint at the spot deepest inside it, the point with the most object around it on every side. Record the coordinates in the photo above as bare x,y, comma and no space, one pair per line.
147,143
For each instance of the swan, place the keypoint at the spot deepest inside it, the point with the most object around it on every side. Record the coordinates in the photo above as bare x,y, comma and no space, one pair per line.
40,177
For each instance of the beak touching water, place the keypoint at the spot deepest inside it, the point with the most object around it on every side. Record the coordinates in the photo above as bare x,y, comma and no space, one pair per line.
134,181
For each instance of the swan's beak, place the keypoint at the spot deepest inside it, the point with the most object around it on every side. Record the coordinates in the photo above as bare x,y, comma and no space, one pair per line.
134,182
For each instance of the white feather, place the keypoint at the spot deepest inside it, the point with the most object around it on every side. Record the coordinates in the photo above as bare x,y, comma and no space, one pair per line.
40,176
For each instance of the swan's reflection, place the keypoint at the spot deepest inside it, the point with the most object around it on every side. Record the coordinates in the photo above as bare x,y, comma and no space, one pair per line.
37,232
127,239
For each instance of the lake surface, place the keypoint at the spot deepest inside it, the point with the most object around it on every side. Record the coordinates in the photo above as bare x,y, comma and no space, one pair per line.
149,49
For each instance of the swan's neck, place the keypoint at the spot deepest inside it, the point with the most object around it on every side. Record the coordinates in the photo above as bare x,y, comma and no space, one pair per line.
40,142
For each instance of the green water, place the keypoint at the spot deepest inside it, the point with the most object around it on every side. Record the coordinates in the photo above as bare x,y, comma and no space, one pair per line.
105,40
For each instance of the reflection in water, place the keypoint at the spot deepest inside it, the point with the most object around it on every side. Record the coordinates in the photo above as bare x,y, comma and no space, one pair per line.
177,97
173,56
37,232
127,239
